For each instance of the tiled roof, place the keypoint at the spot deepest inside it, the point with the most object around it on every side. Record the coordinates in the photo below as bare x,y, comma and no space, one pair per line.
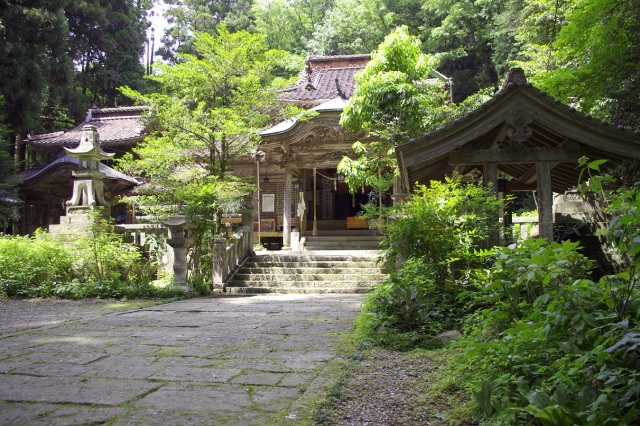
116,127
325,78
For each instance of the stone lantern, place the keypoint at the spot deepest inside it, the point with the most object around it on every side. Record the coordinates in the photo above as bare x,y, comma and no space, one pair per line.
88,188
179,241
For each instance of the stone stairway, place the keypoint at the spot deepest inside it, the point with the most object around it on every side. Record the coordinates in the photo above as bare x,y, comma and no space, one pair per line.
342,242
308,272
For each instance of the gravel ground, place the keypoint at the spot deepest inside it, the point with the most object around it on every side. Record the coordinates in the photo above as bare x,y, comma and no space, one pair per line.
392,388
21,314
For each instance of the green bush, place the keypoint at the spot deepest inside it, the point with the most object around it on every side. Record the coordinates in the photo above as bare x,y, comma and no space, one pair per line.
543,342
33,266
433,241
443,225
99,264
548,346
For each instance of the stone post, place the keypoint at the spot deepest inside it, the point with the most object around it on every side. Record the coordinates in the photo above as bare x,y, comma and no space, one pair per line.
178,240
295,240
247,218
219,263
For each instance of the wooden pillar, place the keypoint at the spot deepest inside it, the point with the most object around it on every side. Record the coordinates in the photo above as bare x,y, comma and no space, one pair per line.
286,211
545,200
490,175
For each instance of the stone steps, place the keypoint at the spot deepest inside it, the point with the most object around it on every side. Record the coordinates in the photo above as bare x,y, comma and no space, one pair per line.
308,272
342,242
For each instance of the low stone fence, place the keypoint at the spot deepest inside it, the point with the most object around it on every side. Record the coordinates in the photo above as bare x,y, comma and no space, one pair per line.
228,253
525,227
139,233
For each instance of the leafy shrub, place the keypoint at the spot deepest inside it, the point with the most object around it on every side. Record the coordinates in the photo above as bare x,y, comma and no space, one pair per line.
407,300
433,241
100,264
33,266
443,225
548,345
103,255
115,289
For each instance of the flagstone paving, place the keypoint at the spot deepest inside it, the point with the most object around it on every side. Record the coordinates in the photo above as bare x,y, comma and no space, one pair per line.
253,360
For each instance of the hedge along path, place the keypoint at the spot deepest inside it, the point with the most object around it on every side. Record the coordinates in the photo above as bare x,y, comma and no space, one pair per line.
227,360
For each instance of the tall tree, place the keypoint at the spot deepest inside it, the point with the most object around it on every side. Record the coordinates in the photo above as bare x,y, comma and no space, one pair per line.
206,113
351,26
187,17
8,180
393,102
460,34
597,60
106,42
396,98
33,61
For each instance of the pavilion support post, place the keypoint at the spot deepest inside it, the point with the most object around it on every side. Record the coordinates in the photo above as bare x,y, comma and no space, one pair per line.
286,211
315,204
491,177
545,200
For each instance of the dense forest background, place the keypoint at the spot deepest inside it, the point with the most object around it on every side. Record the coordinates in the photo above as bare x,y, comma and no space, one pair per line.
60,57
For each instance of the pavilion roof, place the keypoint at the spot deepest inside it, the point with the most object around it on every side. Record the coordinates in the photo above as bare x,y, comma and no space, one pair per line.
118,128
518,127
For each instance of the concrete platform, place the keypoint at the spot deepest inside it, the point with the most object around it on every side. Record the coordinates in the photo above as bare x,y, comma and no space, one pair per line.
255,360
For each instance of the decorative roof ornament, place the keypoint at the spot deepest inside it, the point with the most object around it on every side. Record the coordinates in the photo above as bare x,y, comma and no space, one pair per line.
339,90
519,130
515,77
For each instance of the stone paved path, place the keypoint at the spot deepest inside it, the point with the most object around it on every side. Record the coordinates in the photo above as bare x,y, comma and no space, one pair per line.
255,360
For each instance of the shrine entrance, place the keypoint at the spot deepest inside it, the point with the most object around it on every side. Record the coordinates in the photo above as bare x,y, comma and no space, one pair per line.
300,188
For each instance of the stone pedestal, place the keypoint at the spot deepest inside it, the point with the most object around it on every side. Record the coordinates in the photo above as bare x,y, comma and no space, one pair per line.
77,220
179,242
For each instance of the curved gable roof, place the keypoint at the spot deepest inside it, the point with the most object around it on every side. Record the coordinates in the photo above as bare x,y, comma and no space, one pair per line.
523,120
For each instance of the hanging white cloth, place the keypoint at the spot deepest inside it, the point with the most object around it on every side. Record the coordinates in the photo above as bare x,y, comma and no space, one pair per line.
302,207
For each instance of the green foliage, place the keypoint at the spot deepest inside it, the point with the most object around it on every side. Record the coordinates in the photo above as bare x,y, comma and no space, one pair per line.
33,266
103,255
206,113
543,342
395,100
546,344
189,17
432,241
408,300
75,266
595,58
443,224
